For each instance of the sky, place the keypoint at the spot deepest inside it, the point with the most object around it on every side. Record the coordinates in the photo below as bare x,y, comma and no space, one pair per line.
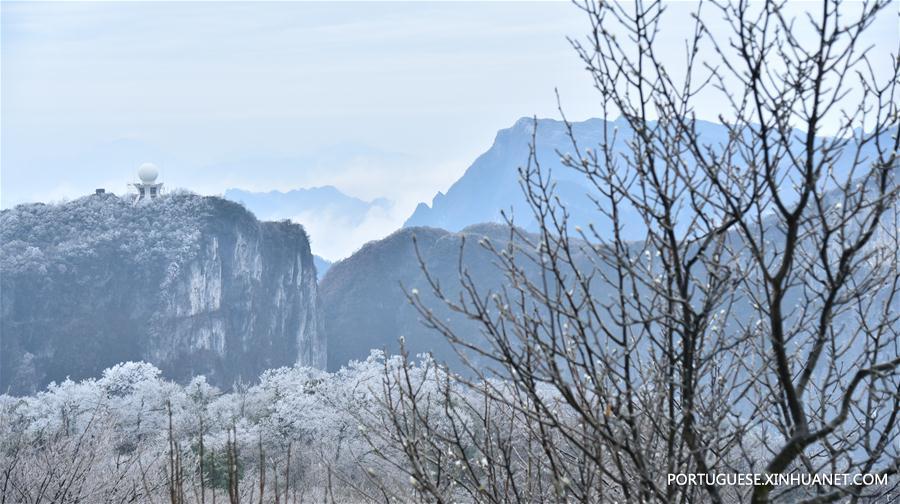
387,100
220,83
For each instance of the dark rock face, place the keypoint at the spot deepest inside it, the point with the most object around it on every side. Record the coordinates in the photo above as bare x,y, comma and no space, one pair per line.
194,285
363,304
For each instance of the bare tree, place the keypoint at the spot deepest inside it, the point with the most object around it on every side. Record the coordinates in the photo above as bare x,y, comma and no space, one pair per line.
752,327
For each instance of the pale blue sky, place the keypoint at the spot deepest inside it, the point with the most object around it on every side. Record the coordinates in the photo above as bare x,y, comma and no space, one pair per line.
214,82
378,99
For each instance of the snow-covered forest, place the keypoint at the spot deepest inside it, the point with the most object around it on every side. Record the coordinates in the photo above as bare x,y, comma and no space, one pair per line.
132,436
299,435
60,238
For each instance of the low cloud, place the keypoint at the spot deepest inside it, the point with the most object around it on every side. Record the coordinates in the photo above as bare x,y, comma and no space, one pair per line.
334,237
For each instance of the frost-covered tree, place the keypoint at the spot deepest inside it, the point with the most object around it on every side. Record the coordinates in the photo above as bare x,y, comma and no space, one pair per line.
751,329
131,436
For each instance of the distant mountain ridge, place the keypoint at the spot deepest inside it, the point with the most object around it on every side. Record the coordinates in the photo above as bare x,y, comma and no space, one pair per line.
492,183
275,205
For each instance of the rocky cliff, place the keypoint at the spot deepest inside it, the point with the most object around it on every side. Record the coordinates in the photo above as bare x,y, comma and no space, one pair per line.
194,285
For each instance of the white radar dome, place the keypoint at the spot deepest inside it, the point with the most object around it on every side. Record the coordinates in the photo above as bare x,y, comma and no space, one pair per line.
148,173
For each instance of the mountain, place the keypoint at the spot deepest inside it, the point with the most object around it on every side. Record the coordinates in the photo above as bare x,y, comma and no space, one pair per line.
194,285
364,304
322,210
491,183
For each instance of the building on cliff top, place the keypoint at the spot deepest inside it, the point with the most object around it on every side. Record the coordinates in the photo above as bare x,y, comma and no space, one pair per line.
148,187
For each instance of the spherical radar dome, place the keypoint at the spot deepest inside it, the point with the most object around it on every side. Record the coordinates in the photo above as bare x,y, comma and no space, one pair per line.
148,173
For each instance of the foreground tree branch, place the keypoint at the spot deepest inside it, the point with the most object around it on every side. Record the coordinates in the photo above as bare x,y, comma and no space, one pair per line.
732,309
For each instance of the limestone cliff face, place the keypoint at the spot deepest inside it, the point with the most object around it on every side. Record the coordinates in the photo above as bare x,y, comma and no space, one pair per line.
194,285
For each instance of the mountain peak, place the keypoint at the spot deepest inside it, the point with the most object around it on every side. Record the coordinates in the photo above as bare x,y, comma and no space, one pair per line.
490,185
